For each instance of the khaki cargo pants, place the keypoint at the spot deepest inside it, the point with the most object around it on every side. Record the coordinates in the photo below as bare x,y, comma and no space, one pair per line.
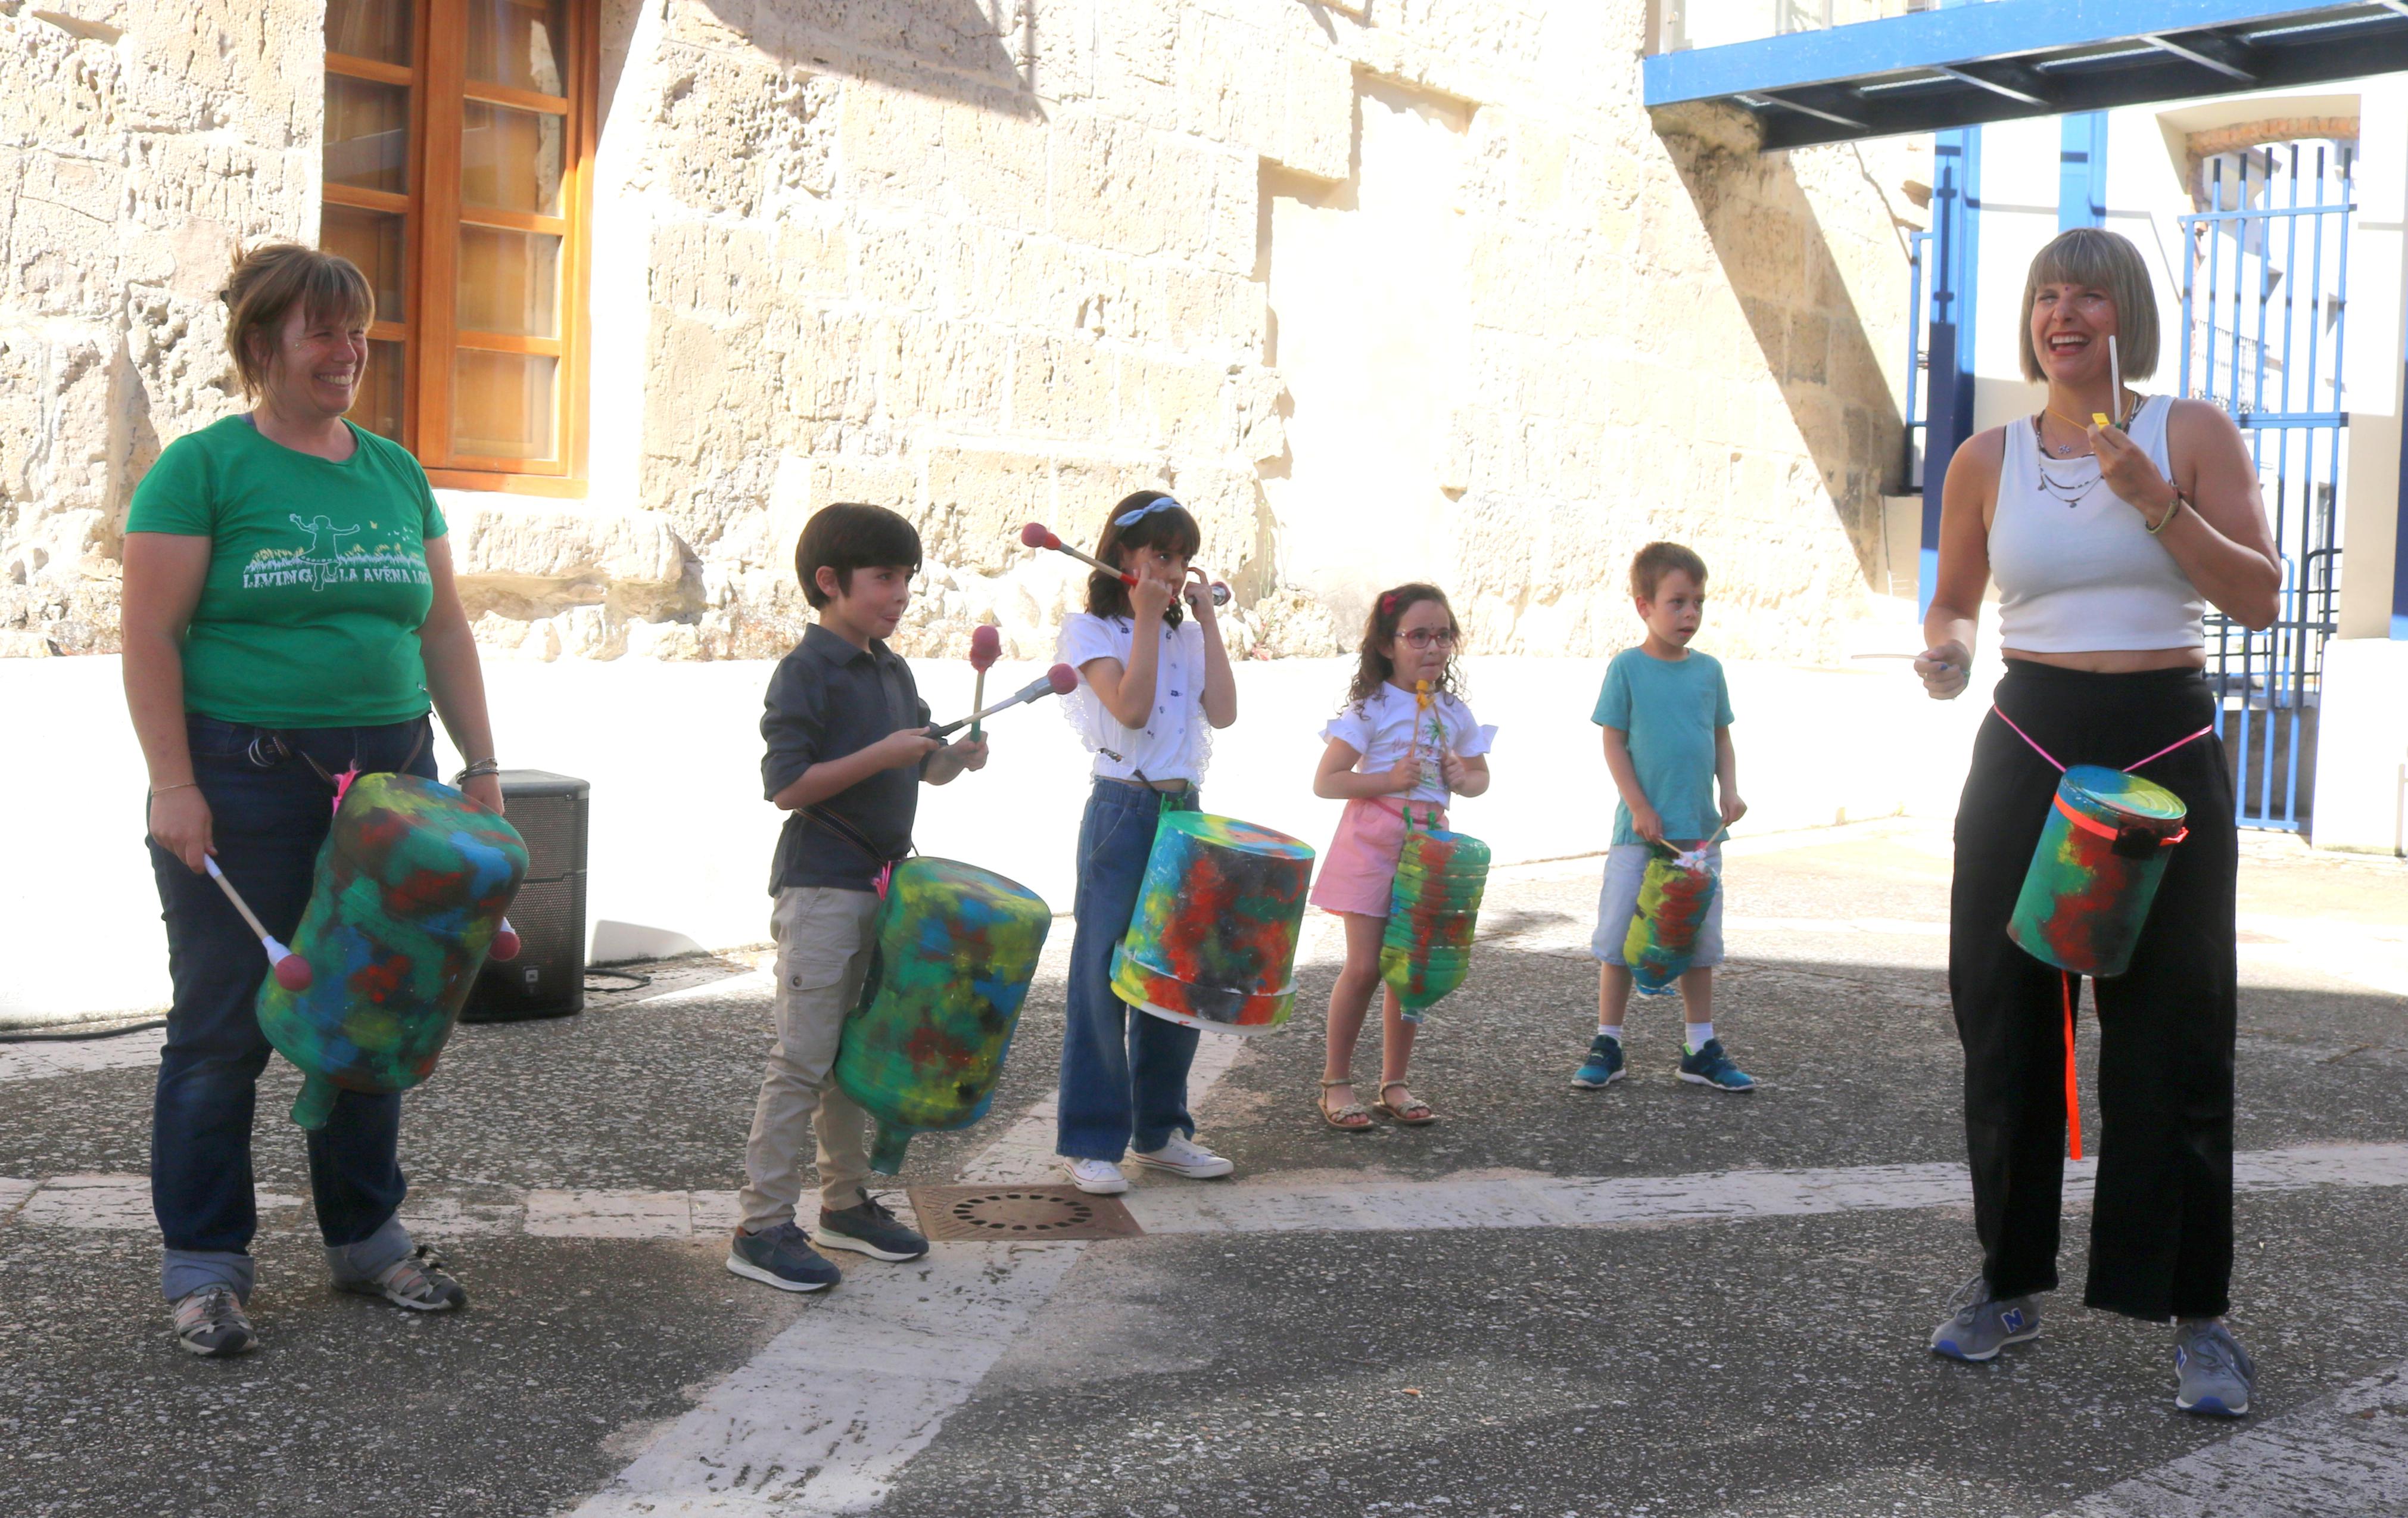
823,938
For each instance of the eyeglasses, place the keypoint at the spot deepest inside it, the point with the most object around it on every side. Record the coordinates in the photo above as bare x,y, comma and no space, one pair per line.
1425,637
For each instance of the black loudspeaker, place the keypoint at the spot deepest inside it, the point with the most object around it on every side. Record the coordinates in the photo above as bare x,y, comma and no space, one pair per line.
548,977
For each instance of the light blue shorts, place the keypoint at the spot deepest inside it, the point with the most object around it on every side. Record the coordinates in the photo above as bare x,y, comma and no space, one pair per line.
1617,902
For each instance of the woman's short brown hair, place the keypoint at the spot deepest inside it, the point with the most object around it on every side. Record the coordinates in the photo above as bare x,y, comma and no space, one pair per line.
263,288
2102,260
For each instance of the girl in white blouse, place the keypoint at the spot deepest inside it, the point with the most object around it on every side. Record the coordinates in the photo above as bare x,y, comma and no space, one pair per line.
1403,743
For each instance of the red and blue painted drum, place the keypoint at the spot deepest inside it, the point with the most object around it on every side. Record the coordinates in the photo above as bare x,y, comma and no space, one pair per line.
1212,944
2095,873
1674,896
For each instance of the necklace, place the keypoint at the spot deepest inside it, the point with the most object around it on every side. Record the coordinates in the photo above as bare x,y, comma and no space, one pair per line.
2066,450
2071,494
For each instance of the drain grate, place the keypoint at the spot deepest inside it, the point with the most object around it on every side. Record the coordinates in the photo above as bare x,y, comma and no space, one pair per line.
1022,1212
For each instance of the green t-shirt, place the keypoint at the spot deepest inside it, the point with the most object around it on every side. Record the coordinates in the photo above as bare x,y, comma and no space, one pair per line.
1668,711
317,582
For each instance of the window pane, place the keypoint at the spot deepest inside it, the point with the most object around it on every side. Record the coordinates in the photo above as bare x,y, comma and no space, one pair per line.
367,134
372,240
502,404
510,159
520,43
376,405
377,29
508,282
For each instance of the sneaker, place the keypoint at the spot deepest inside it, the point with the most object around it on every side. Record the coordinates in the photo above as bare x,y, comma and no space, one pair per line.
2216,1373
1983,1326
782,1257
210,1322
1096,1178
1711,1066
868,1228
1603,1066
416,1281
1182,1156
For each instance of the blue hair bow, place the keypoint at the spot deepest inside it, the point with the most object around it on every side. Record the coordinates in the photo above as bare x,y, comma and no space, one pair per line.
1159,504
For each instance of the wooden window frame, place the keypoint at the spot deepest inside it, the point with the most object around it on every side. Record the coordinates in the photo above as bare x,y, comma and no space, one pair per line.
439,93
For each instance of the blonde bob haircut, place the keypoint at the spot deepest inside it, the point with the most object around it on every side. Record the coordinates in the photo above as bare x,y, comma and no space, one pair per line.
2099,260
267,282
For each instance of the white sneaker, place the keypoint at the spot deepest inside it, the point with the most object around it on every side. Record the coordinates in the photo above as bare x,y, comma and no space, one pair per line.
1182,1156
1096,1178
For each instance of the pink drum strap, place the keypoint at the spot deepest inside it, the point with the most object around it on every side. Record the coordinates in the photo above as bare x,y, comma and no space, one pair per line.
2044,753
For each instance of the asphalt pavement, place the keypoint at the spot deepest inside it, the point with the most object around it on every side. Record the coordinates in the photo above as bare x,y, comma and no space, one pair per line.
1656,1299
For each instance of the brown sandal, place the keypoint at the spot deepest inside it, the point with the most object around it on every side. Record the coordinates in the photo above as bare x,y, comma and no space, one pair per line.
1404,1114
1353,1109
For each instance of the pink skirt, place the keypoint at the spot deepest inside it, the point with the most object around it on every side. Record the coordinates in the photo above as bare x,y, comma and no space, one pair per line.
1359,869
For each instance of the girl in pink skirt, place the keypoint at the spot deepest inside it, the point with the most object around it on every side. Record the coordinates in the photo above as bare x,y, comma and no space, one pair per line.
1403,743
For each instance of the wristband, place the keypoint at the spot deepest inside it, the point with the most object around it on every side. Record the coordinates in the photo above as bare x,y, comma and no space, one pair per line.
181,785
476,770
2172,506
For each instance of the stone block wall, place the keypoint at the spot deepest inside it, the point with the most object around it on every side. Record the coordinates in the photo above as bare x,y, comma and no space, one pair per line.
986,261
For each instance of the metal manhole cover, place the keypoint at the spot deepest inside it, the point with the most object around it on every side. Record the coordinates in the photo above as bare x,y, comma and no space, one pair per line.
1033,1213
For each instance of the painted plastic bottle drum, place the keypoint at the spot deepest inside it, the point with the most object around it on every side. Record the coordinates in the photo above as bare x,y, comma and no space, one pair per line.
922,1051
2096,870
1212,944
1433,908
1673,899
411,883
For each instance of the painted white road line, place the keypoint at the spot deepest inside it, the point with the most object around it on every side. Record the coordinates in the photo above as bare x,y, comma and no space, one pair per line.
823,1419
2347,1455
38,1059
1266,1205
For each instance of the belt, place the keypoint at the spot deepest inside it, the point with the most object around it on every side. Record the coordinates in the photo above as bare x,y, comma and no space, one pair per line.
1167,787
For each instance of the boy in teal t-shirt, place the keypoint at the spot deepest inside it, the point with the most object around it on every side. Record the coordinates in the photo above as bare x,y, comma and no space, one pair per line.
1667,718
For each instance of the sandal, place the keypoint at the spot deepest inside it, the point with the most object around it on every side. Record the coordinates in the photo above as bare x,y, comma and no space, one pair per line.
1414,1113
1340,1119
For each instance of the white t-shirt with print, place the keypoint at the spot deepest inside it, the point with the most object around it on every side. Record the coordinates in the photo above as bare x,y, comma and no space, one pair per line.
1388,723
1176,742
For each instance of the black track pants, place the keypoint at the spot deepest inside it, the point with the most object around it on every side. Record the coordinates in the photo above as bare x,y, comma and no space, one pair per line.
2161,1230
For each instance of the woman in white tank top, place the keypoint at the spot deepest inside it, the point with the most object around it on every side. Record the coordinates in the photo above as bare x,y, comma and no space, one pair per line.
2111,522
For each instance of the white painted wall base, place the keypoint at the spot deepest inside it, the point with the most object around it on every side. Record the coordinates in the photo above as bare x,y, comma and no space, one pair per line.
2361,802
680,842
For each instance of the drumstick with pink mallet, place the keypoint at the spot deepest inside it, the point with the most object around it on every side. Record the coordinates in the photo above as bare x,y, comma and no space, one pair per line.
986,646
1058,681
1037,535
292,971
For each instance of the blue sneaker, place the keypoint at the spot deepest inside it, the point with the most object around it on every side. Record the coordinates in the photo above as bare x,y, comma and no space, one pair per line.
1603,1066
870,1229
2216,1372
1711,1066
781,1257
1980,1325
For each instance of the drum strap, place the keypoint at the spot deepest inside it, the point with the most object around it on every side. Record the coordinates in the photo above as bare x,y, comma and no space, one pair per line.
2127,769
342,783
855,837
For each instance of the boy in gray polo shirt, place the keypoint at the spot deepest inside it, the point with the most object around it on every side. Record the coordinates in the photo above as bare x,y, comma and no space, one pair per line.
1667,718
848,746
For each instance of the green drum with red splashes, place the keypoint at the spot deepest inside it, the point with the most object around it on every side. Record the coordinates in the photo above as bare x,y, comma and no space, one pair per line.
1219,914
411,883
1674,899
955,949
2096,870
1433,908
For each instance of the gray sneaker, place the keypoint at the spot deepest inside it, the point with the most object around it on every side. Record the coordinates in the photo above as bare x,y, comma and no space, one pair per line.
210,1322
1981,1326
2216,1373
416,1281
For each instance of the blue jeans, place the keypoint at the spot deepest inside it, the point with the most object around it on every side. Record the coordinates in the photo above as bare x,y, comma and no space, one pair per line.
1124,1072
268,816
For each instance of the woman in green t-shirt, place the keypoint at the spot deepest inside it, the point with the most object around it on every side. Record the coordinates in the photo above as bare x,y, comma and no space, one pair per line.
290,613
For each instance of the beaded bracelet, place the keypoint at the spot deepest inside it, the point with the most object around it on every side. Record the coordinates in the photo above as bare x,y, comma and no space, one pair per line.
476,771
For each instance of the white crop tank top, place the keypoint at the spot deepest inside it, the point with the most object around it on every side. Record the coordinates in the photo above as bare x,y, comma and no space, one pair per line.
2076,566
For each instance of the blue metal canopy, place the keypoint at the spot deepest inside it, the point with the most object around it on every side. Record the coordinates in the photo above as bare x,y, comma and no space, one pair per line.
1935,69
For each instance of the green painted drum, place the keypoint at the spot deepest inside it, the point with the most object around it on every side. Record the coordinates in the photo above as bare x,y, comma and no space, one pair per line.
411,883
1212,944
1433,909
1673,899
956,950
2095,873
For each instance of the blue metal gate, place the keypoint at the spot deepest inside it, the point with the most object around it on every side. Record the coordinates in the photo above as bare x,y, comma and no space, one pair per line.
2264,301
